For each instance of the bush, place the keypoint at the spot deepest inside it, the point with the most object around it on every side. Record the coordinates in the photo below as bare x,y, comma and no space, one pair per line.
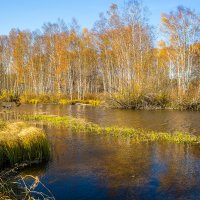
9,96
63,101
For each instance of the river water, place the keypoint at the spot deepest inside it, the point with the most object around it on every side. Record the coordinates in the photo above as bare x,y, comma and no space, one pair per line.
90,167
160,120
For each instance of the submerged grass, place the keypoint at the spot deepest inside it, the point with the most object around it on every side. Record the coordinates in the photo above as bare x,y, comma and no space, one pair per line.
137,135
21,143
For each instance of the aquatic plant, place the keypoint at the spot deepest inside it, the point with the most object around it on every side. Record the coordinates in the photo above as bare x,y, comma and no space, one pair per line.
137,135
19,143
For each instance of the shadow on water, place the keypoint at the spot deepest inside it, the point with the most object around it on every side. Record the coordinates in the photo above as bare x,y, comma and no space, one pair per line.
103,167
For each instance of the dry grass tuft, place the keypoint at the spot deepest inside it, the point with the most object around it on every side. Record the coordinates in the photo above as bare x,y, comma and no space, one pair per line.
20,143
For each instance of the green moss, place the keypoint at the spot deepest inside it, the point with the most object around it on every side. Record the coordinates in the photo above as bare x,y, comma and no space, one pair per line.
137,135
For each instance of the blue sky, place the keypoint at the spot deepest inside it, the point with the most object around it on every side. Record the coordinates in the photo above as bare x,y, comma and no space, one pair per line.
31,14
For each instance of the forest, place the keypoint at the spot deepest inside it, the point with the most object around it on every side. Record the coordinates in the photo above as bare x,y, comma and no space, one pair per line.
122,60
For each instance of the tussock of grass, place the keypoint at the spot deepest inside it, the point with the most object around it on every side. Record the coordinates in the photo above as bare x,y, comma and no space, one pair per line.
19,143
137,135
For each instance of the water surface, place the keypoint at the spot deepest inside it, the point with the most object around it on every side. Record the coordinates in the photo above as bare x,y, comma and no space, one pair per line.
98,167
159,120
88,167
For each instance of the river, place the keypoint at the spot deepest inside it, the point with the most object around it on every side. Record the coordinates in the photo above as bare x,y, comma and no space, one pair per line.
88,167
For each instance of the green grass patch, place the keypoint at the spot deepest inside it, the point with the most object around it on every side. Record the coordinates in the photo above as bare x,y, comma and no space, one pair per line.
21,143
137,135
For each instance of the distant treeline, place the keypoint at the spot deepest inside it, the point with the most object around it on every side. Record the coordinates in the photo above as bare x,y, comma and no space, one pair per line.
118,58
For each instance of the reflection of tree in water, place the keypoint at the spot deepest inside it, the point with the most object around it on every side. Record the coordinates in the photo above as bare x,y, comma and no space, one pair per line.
124,167
133,169
195,151
182,175
116,162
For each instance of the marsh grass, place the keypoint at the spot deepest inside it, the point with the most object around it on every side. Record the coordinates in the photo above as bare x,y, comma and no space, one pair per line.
76,101
137,135
65,101
56,99
19,143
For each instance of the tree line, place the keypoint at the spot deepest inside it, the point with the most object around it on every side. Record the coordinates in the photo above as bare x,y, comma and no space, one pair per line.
118,58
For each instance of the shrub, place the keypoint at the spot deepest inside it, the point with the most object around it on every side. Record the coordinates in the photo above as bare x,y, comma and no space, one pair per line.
63,101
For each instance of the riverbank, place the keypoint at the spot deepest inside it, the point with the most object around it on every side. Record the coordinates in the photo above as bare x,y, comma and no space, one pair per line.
149,101
154,102
134,102
62,99
136,135
56,99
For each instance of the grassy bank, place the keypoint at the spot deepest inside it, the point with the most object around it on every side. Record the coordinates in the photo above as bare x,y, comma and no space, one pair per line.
22,143
137,135
28,98
141,101
56,99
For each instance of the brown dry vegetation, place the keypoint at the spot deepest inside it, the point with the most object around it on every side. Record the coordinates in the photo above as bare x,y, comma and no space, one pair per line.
22,143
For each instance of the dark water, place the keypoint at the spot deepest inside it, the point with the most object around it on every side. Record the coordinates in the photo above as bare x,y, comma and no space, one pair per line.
87,167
